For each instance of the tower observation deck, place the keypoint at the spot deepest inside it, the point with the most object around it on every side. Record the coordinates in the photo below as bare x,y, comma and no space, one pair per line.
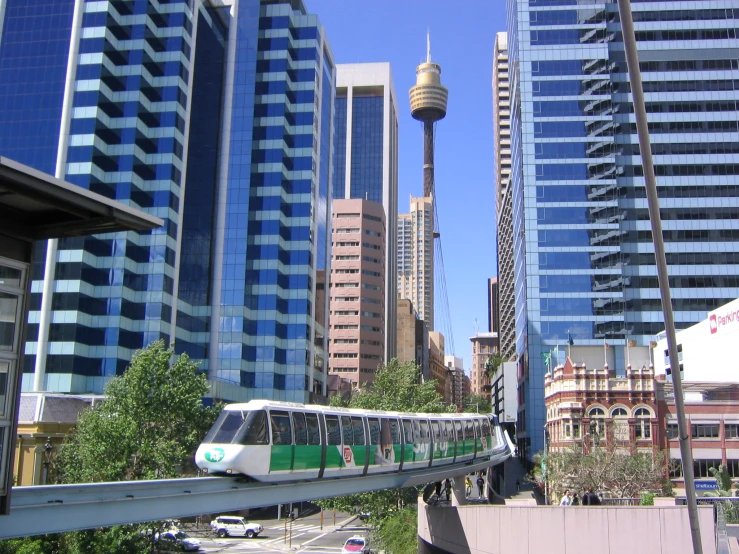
428,105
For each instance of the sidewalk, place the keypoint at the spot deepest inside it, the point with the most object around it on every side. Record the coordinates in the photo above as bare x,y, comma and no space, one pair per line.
515,471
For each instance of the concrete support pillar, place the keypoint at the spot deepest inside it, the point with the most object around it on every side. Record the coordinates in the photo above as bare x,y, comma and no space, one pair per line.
459,498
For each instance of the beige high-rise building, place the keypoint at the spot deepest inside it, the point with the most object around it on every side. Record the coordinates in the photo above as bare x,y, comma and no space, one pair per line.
483,345
416,257
357,289
501,114
437,368
503,198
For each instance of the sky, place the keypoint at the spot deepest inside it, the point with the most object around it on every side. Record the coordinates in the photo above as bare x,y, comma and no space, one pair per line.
462,41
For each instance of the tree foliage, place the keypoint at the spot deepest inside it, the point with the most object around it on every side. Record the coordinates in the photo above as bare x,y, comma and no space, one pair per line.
147,427
723,480
398,533
477,403
617,472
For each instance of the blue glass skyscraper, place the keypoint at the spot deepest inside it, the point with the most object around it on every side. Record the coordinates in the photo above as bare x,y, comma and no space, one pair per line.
218,119
584,261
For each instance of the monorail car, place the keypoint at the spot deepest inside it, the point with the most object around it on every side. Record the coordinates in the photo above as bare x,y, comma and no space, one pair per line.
282,441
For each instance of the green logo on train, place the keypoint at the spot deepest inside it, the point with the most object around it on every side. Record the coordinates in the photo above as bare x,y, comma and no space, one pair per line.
215,455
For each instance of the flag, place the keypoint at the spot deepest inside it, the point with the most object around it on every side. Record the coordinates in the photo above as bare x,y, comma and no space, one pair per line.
569,340
606,345
547,356
631,343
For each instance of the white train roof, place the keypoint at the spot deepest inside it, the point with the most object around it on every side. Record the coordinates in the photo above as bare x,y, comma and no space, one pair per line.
262,404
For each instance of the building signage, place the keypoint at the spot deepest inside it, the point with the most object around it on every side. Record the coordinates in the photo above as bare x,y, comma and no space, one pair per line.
718,320
708,485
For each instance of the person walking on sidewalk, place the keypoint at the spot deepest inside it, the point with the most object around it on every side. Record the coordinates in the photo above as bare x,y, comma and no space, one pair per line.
480,485
448,489
566,499
467,486
518,485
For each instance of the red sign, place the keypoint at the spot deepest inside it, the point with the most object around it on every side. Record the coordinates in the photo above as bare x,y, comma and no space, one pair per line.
713,323
347,455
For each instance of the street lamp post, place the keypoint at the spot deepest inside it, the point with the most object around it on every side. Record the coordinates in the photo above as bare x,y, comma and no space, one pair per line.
650,181
544,465
48,448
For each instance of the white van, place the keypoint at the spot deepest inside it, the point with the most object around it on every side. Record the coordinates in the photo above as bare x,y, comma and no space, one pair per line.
235,526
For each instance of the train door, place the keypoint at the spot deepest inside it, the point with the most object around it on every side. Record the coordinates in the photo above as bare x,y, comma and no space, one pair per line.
281,456
396,442
334,448
458,439
408,441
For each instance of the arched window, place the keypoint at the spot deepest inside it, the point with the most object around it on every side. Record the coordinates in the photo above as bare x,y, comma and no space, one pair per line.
620,425
597,425
643,427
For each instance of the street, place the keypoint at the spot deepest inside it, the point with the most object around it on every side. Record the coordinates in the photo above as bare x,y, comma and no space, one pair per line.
307,536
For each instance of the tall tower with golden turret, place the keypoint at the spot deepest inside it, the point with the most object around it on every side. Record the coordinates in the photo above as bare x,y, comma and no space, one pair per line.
428,105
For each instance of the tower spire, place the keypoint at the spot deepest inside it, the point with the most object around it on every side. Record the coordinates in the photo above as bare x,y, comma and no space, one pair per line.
428,45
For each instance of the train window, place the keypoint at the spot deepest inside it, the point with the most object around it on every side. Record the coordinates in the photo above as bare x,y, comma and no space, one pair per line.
469,430
408,431
280,428
449,426
478,434
333,430
417,437
425,432
301,429
458,429
314,431
346,425
486,428
394,431
374,429
358,425
254,429
225,428
436,431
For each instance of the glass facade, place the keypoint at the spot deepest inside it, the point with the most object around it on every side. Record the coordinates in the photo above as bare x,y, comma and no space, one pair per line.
583,247
340,147
367,151
242,184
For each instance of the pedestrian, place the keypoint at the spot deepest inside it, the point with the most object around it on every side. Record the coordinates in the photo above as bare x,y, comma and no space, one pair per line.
467,486
480,485
566,499
448,489
590,498
438,490
575,500
518,485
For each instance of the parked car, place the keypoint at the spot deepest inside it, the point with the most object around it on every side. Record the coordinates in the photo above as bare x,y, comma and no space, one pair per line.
235,526
356,543
177,540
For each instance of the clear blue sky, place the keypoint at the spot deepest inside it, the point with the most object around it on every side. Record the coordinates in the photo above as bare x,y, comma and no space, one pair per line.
462,40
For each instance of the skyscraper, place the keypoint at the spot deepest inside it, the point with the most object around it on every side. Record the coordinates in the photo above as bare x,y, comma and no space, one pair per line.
584,262
357,293
416,267
506,298
217,120
365,162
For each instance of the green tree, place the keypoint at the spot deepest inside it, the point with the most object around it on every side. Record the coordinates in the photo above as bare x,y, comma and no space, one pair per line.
147,427
398,533
476,403
397,387
723,480
493,363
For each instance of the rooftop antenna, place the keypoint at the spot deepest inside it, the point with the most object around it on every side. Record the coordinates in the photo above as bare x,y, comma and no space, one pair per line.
428,45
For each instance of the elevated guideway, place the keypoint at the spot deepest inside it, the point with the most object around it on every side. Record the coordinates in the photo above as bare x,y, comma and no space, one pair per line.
60,508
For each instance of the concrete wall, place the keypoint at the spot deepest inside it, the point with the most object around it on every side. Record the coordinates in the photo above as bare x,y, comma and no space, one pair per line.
556,530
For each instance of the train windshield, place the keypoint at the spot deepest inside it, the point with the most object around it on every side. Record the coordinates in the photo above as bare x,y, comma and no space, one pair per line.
237,427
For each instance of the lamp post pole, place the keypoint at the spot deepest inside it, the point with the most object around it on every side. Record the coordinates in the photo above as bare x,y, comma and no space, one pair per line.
48,447
642,129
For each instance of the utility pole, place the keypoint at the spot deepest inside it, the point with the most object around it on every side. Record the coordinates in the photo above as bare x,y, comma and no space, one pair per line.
640,113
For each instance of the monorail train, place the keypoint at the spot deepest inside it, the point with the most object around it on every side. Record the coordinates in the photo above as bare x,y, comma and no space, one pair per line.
282,441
